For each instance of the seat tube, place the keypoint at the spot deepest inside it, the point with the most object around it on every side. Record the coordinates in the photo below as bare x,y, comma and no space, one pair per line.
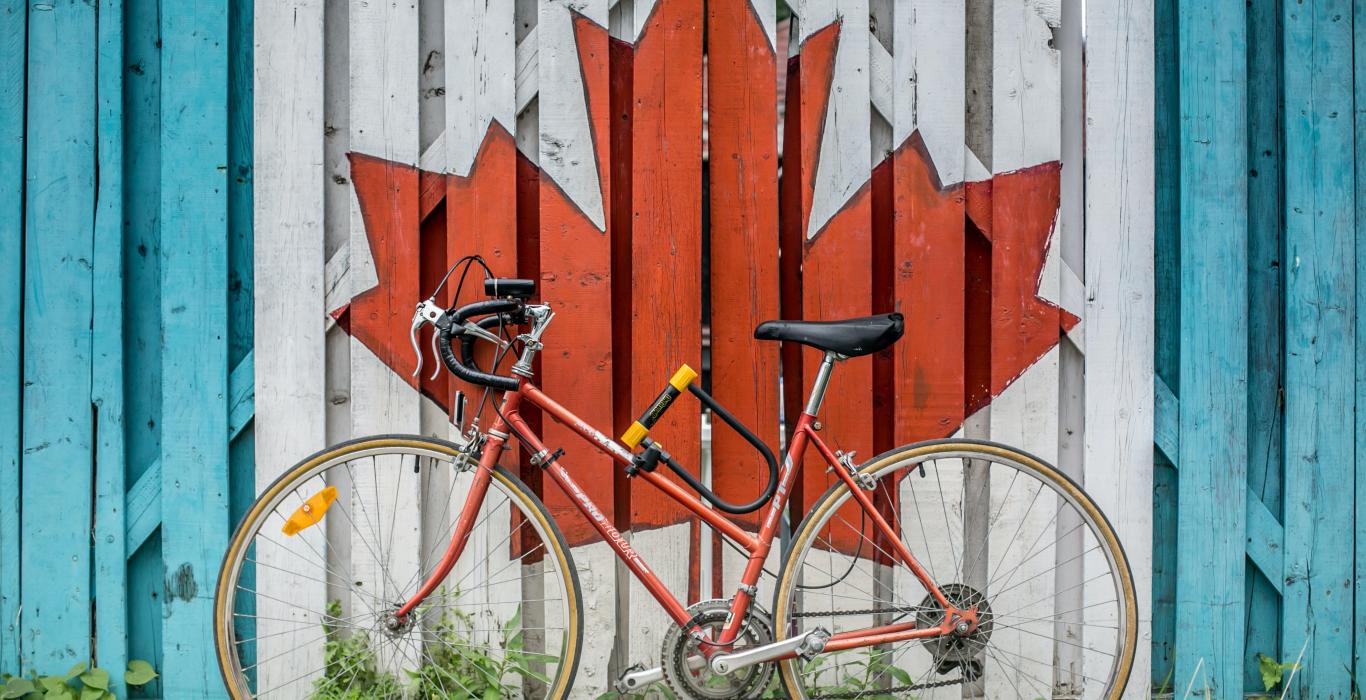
813,402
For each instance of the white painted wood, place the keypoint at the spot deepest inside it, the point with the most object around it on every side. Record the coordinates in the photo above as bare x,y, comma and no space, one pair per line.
528,71
845,161
289,319
1119,284
384,121
481,84
1026,130
432,57
566,152
929,90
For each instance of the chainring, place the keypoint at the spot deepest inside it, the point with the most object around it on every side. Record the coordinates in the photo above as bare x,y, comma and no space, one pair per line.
695,680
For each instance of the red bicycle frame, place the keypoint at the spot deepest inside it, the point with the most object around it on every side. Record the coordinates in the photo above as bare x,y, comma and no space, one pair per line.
757,547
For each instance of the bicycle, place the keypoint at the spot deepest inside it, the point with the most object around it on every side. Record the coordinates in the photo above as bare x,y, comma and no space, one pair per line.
309,601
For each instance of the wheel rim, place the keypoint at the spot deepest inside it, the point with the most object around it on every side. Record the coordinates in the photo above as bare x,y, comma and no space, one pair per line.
311,614
1045,592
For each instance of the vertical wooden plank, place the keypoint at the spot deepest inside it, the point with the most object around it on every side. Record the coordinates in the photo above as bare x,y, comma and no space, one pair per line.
13,23
1320,314
836,207
666,275
57,416
929,128
107,369
194,344
481,154
743,143
1166,322
290,368
1265,474
575,262
384,262
1119,220
1026,131
142,307
1212,476
1359,121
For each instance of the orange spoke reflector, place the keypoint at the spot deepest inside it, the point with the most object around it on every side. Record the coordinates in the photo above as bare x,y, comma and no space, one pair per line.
311,512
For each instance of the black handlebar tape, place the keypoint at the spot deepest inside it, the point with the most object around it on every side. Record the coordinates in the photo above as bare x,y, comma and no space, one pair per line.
473,376
488,323
681,380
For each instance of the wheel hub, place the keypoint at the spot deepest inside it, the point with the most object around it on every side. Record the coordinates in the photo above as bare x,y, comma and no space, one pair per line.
964,647
686,669
394,626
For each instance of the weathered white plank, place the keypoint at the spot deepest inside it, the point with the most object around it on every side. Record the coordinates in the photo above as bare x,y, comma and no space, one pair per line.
846,155
929,90
481,85
1119,283
289,312
566,142
1026,130
384,122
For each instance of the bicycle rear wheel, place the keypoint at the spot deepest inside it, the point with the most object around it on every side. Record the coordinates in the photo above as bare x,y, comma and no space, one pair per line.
994,528
311,578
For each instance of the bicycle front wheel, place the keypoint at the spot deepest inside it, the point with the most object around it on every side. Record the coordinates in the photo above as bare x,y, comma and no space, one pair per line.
313,575
994,528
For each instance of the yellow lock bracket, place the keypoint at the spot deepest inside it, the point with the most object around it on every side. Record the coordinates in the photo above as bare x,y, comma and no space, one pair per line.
311,512
641,427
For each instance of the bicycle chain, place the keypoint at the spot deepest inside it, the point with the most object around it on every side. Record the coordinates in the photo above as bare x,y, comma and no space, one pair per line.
898,689
867,611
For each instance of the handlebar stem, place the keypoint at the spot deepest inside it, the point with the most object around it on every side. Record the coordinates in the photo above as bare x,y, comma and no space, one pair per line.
540,316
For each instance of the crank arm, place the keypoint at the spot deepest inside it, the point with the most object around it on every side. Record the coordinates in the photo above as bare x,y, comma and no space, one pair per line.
805,645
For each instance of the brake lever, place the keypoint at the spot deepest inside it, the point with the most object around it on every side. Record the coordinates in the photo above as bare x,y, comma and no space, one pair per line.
471,327
427,312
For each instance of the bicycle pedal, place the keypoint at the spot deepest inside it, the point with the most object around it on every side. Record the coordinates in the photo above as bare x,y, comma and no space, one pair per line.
636,676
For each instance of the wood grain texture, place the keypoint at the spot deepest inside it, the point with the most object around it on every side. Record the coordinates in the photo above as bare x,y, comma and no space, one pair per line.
743,143
836,245
107,378
1320,318
194,257
12,53
58,297
1210,563
574,248
1119,220
290,365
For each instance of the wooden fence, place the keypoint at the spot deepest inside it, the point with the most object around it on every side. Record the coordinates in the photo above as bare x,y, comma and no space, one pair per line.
1259,495
673,172
125,330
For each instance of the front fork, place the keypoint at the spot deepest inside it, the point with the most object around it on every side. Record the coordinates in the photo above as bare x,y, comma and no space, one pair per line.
483,475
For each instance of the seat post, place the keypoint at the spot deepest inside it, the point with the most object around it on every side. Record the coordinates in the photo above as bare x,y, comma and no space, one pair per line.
813,402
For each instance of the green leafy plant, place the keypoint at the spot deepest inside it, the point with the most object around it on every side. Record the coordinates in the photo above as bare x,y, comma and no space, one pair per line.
1272,671
80,682
456,660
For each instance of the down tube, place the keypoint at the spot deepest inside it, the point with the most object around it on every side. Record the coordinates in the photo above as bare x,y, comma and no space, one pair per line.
604,526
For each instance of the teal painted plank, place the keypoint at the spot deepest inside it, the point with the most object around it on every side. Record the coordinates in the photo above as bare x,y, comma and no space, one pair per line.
57,423
194,278
142,508
1166,420
1265,363
1359,121
1167,320
242,396
240,317
1320,289
12,35
111,559
1212,479
142,311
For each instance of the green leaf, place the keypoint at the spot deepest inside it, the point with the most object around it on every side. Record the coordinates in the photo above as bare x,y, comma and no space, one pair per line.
96,678
51,684
1272,671
76,670
139,673
93,694
17,688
